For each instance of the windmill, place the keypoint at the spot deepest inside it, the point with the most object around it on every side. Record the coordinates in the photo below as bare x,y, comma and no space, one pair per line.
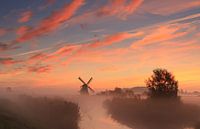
85,87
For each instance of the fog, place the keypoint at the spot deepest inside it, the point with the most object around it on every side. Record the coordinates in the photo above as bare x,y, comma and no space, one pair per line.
60,110
19,110
156,114
94,114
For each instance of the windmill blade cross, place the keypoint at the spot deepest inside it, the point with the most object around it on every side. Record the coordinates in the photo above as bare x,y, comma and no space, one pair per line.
91,89
89,80
81,80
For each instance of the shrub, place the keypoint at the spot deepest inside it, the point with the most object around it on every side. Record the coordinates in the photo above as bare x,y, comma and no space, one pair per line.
162,84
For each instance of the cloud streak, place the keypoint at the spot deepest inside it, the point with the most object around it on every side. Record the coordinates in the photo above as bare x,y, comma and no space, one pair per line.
3,31
160,34
39,69
22,30
4,47
52,22
8,61
114,38
119,8
25,16
167,8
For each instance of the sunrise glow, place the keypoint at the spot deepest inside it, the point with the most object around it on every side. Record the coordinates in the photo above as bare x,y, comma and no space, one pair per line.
117,42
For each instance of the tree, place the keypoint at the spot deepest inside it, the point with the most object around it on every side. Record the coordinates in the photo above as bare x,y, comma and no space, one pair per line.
162,84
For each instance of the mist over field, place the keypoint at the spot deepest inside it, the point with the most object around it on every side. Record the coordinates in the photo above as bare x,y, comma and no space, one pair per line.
155,114
99,64
25,110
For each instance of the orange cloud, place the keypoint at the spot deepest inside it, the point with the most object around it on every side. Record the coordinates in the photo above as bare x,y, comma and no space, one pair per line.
65,50
160,34
85,52
11,73
115,38
25,16
53,21
56,55
118,8
62,52
109,68
167,7
40,69
36,57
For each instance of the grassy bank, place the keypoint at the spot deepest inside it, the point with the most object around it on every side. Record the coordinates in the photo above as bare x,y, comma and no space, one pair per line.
27,112
154,114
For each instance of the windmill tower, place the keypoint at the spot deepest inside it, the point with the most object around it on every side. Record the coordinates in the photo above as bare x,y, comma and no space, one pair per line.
85,87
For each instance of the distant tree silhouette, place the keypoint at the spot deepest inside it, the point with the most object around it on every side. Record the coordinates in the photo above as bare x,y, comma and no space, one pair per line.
162,84
118,90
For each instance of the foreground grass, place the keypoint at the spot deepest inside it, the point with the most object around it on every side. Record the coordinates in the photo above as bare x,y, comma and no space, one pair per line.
27,112
154,114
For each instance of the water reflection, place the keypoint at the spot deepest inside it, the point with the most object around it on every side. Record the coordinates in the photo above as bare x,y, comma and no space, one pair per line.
94,115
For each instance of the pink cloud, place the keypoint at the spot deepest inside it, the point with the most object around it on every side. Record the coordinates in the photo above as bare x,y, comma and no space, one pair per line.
120,8
65,50
167,7
61,52
25,16
4,46
40,69
3,31
7,46
36,57
114,38
53,21
8,61
53,56
22,30
86,52
75,50
97,56
160,34
12,72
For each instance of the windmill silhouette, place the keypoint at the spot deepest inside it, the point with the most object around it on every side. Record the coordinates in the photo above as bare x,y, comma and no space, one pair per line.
85,87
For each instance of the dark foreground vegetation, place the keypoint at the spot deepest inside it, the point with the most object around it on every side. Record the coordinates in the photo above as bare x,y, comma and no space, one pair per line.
154,113
162,109
27,112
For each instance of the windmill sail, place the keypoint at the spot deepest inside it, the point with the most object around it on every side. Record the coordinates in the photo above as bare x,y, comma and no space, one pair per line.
85,87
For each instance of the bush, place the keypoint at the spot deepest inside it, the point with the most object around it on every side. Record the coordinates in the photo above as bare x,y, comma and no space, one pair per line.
162,84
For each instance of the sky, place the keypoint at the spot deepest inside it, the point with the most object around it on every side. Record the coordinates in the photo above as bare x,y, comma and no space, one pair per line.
50,43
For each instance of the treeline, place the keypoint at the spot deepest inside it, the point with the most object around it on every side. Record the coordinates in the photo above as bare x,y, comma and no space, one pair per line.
118,92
